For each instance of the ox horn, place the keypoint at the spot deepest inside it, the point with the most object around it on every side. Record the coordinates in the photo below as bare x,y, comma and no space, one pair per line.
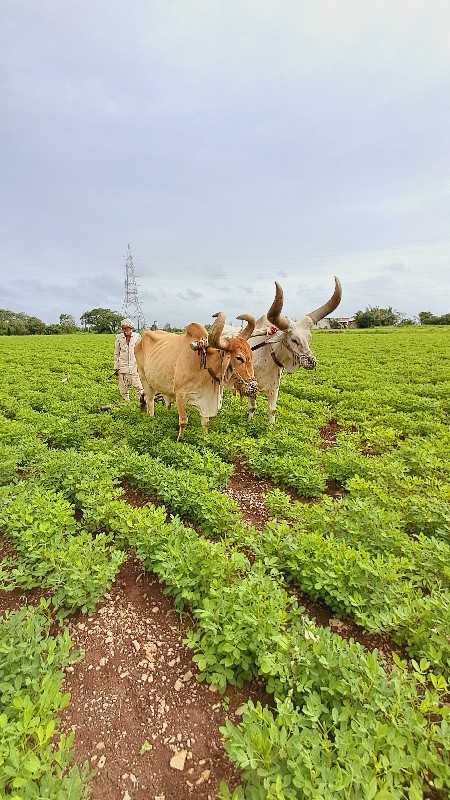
328,307
249,328
215,335
274,313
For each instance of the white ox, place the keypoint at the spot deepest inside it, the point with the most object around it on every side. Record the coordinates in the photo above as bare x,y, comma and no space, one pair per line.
191,368
280,344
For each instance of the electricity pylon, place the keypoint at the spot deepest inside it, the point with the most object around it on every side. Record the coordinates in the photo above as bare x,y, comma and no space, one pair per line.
131,307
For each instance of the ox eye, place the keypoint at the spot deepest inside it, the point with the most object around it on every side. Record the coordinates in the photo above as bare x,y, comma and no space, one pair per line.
241,359
294,340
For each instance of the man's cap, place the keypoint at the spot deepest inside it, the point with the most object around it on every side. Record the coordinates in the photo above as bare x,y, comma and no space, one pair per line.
126,323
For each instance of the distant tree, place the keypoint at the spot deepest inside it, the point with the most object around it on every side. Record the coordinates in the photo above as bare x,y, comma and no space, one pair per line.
154,327
374,317
335,324
427,318
167,327
13,323
407,321
67,323
101,320
10,322
35,325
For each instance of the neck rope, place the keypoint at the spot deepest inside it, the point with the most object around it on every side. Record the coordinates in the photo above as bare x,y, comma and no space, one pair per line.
270,343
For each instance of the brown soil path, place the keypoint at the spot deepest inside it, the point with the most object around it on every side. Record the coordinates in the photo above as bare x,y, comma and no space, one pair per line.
140,716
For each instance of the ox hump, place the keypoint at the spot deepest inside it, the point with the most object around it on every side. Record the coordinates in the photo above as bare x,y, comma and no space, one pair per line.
196,331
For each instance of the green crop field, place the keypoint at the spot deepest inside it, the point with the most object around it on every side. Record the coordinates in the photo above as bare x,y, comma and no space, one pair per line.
359,521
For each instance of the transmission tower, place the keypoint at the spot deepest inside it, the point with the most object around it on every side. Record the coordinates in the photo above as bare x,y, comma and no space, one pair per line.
131,307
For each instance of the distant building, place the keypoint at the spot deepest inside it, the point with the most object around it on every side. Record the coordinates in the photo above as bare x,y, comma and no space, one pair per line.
336,322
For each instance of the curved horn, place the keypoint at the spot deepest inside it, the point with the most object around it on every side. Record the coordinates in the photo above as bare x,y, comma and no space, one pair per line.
330,306
274,313
215,335
249,328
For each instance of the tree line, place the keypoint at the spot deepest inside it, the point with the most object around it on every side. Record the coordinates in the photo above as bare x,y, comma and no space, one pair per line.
98,320
104,320
376,317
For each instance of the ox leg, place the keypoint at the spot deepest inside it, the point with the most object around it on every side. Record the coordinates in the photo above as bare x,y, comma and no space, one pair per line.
251,407
180,431
150,398
272,406
205,423
147,397
182,417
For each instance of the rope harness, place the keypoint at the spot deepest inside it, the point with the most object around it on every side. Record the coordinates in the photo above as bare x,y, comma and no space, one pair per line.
263,344
200,347
268,332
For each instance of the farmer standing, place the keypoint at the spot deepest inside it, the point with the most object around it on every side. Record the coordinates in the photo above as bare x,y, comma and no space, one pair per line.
125,365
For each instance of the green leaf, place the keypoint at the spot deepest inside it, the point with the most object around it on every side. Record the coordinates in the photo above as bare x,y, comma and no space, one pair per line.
19,782
32,763
371,789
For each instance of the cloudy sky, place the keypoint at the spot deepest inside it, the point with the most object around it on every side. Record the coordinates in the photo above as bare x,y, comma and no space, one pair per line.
230,143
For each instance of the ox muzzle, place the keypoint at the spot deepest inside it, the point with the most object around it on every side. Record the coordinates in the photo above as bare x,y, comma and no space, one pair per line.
245,388
308,362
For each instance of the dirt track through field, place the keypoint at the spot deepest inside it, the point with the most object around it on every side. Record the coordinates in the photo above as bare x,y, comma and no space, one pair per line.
140,716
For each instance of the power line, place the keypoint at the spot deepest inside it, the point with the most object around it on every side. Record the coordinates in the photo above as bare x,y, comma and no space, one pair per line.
273,258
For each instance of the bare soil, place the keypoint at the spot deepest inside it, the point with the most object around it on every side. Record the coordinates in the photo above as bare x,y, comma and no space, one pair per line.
140,716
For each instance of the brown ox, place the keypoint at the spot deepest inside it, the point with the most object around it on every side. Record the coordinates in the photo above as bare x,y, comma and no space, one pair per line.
191,368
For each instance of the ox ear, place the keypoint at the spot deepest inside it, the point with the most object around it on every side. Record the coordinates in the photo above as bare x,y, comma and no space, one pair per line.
226,367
